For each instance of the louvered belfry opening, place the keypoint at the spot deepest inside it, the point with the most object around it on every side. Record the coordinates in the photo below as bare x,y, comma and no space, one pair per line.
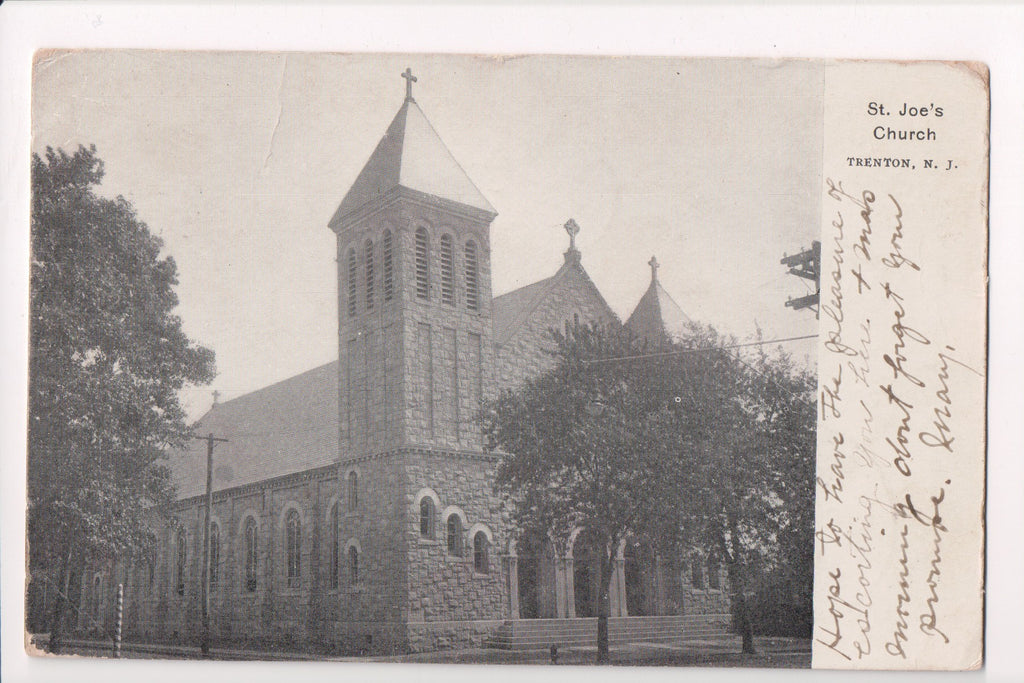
422,261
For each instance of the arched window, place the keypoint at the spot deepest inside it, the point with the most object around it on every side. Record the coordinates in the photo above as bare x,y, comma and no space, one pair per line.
353,491
427,517
352,275
388,256
447,270
368,248
293,547
250,555
454,535
697,573
422,264
335,546
179,577
353,565
214,554
472,277
480,560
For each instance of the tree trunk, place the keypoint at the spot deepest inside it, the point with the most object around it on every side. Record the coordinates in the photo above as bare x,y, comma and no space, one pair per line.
603,607
738,579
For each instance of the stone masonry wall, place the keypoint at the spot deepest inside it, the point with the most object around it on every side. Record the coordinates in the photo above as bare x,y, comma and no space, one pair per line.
524,354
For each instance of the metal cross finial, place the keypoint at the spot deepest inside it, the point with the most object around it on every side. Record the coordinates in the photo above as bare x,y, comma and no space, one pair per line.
216,396
653,263
573,228
409,80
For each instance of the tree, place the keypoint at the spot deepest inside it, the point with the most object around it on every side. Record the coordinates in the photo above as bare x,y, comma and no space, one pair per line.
701,448
578,450
108,359
745,435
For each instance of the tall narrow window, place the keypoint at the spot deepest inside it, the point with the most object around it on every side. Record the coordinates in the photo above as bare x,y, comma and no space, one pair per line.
697,573
388,256
335,546
179,577
96,593
353,491
353,265
454,535
480,560
427,517
353,565
714,581
250,555
214,555
422,264
293,547
447,271
472,277
369,274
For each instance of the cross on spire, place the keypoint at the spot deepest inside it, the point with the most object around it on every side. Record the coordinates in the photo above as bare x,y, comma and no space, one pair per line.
653,263
573,228
409,80
216,396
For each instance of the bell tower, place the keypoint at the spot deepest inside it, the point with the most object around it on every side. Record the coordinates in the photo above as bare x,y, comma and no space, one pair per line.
415,365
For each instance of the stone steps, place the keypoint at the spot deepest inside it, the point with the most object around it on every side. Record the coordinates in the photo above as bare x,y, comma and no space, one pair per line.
528,634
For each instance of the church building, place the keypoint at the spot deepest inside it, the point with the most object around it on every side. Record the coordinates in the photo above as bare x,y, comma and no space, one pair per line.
353,504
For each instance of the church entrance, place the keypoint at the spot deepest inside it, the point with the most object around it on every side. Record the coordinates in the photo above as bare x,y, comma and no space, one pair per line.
586,573
536,575
640,568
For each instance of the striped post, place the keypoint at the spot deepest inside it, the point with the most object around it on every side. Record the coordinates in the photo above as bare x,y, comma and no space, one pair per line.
117,625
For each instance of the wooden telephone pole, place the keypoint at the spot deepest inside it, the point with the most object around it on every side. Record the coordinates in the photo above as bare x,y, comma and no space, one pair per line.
806,264
205,583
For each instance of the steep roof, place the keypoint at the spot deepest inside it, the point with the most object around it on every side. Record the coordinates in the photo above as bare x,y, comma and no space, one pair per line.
513,307
657,315
510,311
284,428
411,155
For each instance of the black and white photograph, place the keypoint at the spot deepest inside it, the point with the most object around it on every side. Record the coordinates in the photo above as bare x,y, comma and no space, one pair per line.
423,358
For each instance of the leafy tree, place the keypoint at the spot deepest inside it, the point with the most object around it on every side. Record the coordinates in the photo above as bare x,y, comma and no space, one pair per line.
108,358
745,437
704,450
580,453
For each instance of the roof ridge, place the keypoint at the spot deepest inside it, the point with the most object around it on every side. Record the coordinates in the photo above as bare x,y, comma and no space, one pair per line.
265,387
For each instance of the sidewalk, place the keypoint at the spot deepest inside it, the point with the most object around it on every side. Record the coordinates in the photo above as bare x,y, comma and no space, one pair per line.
771,653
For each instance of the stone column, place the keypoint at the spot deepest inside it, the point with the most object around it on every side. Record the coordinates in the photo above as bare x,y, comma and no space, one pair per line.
512,571
570,588
661,598
617,592
560,589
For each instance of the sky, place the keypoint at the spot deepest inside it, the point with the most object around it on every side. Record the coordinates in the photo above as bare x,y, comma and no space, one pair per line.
238,161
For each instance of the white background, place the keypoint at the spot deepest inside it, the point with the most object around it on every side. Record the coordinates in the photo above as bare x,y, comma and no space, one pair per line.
989,34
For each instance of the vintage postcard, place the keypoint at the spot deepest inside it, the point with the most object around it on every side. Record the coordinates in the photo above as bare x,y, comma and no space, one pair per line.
474,359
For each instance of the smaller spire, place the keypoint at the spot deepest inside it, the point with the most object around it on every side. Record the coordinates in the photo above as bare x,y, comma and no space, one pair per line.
653,263
572,253
409,80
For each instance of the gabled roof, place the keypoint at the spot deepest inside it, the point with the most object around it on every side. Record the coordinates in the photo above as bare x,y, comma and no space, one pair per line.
288,427
513,307
510,311
658,316
411,155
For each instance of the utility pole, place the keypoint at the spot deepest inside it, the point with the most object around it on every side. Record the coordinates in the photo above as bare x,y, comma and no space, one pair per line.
806,264
205,583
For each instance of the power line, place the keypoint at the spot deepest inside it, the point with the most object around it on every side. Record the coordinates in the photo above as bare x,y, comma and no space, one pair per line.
683,352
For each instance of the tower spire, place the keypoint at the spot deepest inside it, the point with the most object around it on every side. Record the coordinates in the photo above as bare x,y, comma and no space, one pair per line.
409,80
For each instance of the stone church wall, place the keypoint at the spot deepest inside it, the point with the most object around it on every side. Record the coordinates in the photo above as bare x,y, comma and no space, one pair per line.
525,354
451,604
